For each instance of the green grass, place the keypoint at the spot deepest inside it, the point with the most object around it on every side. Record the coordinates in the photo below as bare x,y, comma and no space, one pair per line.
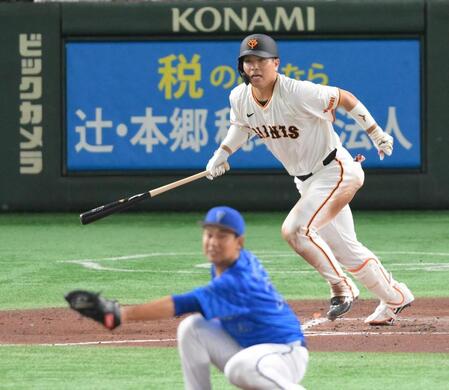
36,272
159,368
377,371
36,248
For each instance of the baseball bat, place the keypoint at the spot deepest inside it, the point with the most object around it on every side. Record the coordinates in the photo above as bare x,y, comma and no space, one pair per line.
125,203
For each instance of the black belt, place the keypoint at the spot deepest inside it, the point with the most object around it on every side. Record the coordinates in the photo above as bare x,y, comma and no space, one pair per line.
329,158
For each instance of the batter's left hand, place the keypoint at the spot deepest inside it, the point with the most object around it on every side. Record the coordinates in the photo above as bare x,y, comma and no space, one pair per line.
382,141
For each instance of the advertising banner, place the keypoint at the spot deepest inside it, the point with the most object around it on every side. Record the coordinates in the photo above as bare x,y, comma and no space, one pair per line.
164,105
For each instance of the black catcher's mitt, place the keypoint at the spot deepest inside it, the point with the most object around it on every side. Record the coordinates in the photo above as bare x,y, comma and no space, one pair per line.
92,305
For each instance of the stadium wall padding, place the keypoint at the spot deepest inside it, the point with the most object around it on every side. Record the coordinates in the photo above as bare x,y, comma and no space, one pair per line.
32,152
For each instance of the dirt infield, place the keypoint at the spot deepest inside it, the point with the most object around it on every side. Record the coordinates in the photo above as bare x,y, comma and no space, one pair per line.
424,327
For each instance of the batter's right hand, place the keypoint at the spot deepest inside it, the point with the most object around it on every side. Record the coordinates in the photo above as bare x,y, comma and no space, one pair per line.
217,165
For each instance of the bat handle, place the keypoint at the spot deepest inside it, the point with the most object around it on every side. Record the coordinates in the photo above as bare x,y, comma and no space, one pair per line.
177,183
181,182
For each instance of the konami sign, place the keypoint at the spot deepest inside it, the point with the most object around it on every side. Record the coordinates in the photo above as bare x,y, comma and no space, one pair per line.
210,19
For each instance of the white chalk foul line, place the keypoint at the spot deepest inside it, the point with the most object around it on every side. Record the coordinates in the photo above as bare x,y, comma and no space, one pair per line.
307,334
314,322
265,253
305,327
428,319
94,264
105,342
136,256
366,333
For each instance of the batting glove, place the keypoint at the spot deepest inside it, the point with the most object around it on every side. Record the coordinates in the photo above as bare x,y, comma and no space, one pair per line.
382,141
217,165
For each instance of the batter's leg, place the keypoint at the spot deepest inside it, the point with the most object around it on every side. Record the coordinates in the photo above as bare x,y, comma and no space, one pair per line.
341,237
366,268
200,343
321,200
268,366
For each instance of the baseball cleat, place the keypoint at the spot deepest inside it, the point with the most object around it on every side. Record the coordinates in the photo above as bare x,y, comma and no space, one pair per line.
339,306
384,315
387,315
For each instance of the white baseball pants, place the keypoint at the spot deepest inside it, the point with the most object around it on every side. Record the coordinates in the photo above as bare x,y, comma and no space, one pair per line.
323,196
320,228
203,342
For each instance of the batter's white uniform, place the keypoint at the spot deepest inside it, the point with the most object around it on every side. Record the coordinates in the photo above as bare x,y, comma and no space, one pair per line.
296,126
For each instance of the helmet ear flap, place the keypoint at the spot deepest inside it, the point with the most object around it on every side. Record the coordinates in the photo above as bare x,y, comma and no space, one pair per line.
242,73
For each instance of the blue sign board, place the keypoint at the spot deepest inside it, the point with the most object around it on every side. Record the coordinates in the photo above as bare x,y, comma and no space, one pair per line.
163,105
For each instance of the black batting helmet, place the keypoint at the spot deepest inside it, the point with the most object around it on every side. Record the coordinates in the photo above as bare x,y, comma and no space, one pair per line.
260,45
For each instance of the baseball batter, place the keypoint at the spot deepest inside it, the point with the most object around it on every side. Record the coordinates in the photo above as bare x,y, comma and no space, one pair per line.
294,120
241,323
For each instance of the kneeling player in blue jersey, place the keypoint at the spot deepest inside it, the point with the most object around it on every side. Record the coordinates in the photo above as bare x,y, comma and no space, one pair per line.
241,325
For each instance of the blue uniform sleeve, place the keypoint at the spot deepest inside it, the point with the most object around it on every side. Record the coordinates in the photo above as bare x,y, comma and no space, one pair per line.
186,303
220,298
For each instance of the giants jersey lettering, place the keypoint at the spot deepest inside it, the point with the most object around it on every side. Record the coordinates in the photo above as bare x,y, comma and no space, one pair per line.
295,125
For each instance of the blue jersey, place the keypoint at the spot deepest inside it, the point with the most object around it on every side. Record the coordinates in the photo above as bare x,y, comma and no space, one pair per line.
248,306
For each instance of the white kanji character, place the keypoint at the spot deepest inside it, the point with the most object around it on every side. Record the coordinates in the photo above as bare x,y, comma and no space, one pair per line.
189,129
392,128
149,133
98,125
222,124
